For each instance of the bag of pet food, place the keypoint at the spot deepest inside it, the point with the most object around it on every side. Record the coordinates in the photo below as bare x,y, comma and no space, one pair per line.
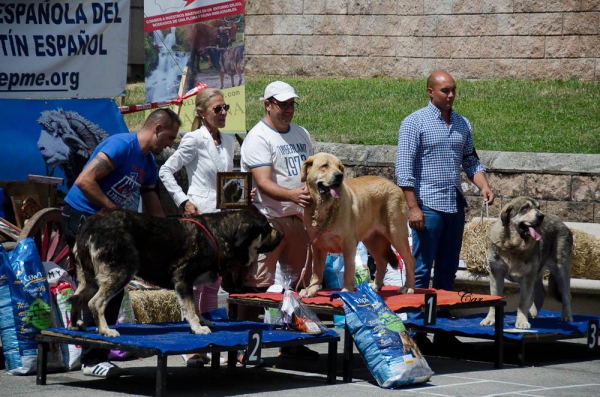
25,309
390,353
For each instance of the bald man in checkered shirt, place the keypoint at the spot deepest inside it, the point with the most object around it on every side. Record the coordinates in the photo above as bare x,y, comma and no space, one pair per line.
433,143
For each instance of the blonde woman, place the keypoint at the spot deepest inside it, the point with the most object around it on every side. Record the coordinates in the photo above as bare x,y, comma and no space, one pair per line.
203,152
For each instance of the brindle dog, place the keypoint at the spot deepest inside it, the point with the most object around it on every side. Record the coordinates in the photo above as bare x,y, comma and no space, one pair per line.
115,245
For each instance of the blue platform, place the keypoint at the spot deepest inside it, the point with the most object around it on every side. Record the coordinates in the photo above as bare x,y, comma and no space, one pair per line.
165,339
547,323
175,338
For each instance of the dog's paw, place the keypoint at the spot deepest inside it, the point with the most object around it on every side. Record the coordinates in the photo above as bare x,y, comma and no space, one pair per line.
566,317
309,292
201,330
406,290
522,324
487,322
109,332
79,326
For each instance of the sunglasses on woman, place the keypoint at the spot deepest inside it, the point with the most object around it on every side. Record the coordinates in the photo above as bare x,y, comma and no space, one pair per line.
219,109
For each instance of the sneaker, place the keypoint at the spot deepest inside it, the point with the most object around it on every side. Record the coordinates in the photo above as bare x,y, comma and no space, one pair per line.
103,370
194,360
222,360
298,352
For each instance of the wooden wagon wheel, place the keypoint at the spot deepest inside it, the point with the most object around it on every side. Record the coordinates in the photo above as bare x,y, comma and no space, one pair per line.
44,227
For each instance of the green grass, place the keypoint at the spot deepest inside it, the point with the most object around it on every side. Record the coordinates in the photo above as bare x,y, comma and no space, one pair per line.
507,115
135,94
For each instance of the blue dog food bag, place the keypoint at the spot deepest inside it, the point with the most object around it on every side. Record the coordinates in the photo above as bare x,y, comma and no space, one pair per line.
390,353
24,307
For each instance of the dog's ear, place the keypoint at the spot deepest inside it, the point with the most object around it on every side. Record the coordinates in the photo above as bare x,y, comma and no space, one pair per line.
305,167
341,166
505,215
242,233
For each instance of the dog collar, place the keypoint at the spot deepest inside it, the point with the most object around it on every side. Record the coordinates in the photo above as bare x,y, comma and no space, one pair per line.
205,230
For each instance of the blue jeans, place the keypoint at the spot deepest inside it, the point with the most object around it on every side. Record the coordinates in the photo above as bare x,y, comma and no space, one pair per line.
439,242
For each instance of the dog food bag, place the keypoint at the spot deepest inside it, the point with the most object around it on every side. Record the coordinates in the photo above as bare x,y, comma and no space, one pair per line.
28,311
390,353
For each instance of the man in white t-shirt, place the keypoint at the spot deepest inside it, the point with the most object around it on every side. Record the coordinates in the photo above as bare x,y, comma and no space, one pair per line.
274,151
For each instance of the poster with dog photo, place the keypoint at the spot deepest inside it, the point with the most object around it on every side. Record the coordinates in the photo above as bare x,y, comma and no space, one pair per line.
53,137
207,38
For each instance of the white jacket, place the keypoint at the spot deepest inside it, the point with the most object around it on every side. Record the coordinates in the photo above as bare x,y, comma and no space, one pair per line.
198,154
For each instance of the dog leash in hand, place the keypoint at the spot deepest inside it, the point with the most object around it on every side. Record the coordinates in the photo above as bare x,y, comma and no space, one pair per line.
206,230
485,206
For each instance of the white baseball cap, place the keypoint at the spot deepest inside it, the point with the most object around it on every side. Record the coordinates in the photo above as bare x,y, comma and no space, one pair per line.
280,91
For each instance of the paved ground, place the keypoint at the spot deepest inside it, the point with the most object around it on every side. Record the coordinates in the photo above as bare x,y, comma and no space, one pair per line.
553,369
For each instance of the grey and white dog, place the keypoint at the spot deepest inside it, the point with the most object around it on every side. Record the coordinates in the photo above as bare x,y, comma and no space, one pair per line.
524,243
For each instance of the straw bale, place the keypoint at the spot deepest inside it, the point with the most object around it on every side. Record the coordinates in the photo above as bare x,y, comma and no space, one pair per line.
155,306
476,240
586,256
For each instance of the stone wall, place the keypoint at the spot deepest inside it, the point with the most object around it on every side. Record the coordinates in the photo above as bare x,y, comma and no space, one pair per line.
567,185
479,39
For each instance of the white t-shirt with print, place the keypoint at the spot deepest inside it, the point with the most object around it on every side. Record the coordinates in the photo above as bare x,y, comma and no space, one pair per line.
284,152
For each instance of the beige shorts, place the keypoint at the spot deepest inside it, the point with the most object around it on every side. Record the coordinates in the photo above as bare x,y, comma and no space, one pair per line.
293,253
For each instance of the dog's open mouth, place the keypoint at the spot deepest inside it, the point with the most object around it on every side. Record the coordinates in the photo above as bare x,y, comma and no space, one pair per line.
334,189
529,229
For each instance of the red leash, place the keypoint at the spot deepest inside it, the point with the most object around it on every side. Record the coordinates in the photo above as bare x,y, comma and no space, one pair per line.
206,230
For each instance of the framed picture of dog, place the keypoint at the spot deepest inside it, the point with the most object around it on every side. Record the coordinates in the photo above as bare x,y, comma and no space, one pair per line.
233,190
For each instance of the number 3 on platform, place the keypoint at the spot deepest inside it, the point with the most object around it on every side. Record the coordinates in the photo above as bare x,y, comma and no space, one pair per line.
593,334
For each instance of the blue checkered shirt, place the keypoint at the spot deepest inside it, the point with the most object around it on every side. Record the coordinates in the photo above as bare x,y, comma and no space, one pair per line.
430,155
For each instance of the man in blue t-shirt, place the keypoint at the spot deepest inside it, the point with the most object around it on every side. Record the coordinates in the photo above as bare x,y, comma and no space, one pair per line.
120,171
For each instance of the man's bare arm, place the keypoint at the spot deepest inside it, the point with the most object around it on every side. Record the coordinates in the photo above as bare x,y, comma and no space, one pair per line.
88,180
262,176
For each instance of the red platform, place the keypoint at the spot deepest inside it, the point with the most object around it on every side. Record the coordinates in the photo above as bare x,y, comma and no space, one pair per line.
324,303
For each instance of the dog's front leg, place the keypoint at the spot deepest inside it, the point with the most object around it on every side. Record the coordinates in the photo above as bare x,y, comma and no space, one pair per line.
526,287
496,288
319,256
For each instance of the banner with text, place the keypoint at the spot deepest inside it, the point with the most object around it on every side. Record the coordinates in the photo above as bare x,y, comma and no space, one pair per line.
207,37
63,49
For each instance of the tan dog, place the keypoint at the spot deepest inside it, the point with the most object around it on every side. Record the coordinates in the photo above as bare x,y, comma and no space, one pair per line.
524,243
344,212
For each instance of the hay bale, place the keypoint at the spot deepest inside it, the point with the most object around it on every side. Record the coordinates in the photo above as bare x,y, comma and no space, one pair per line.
586,251
155,306
476,240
